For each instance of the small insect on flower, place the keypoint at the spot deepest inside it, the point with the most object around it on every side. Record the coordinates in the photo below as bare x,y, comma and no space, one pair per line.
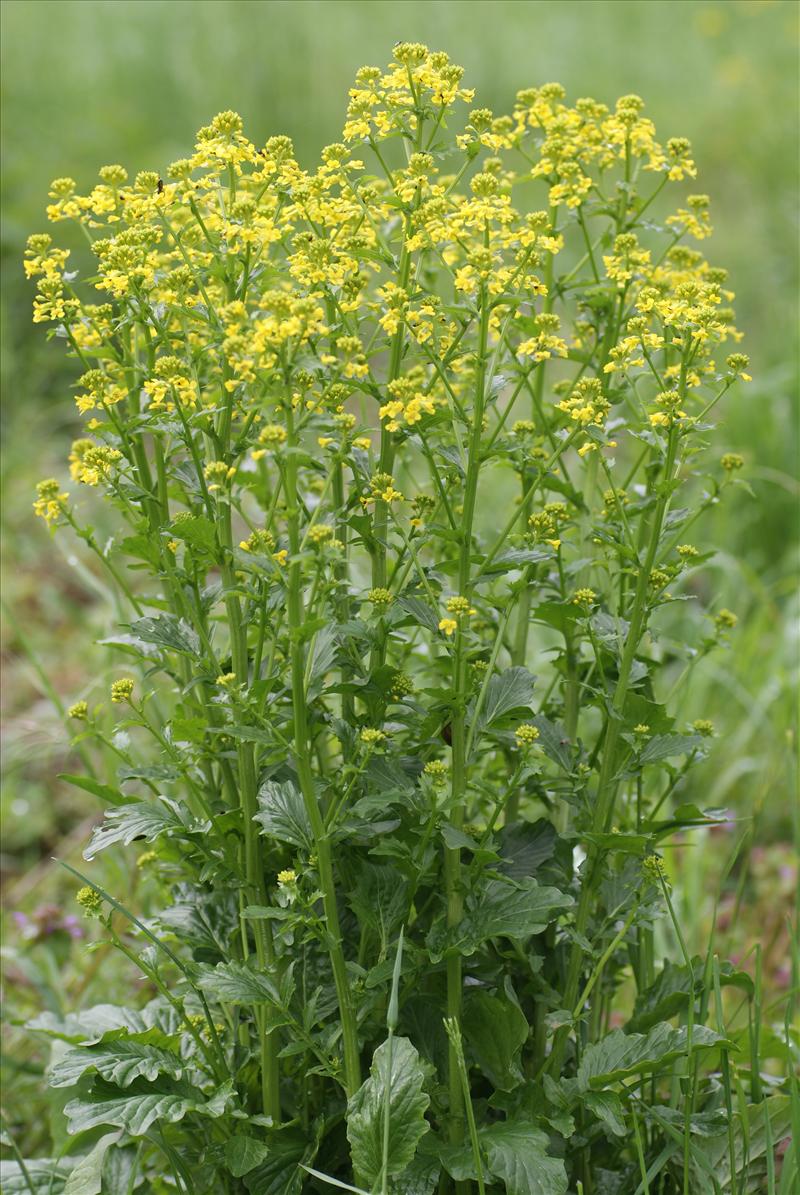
121,690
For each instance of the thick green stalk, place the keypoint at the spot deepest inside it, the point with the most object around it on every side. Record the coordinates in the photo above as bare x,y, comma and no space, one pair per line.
295,613
253,860
452,855
520,652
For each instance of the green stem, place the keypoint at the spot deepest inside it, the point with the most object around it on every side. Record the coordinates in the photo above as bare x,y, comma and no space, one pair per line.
452,855
606,787
352,1062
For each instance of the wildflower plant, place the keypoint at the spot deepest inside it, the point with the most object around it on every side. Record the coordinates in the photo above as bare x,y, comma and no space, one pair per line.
398,449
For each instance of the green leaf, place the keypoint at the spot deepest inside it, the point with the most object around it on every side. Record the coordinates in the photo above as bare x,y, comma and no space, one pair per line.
239,983
503,910
283,814
607,1107
495,1029
168,631
422,1176
119,1169
506,691
144,820
91,1025
138,1110
554,742
243,1154
104,791
87,1177
280,1173
620,1054
47,1176
665,997
750,1145
516,1153
197,531
323,656
119,1062
666,746
419,611
534,849
408,1102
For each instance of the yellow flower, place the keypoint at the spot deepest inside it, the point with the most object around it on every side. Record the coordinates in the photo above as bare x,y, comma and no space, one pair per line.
121,690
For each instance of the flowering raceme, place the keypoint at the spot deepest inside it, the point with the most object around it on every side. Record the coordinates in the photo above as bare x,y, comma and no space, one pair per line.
385,433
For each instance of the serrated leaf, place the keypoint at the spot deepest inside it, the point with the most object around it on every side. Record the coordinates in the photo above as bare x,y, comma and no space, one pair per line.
395,1064
282,814
506,691
138,1110
198,531
620,1054
165,630
119,1062
516,1153
243,1154
145,820
506,910
323,656
239,983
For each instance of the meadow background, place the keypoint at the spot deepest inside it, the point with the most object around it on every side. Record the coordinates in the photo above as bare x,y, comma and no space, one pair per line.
89,82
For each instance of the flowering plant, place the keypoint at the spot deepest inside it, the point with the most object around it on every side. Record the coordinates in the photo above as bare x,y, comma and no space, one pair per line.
386,439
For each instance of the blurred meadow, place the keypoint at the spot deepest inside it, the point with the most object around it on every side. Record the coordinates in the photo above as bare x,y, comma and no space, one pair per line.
90,82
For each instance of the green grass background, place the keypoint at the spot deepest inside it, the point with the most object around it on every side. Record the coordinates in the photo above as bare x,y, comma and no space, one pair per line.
89,82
